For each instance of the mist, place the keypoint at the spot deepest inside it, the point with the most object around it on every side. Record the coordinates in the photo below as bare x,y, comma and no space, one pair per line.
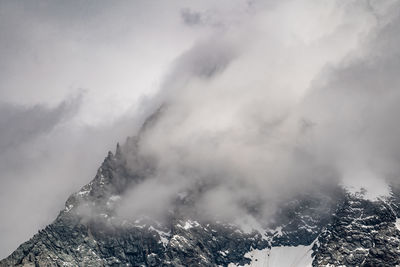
75,79
258,113
260,101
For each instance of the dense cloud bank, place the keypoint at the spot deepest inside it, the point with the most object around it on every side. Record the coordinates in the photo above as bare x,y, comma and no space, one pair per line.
262,100
289,98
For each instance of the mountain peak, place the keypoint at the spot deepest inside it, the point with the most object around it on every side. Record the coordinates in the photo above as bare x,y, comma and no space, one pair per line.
90,232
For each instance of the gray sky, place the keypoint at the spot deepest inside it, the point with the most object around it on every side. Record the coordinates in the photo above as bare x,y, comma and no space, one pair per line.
78,76
75,79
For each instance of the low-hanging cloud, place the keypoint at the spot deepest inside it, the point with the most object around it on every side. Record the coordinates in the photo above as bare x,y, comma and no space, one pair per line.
263,100
289,108
20,124
115,53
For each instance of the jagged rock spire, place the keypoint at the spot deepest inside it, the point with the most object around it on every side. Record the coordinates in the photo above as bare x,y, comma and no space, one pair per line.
118,152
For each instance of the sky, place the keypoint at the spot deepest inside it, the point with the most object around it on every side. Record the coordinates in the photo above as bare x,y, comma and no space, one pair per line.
73,76
291,90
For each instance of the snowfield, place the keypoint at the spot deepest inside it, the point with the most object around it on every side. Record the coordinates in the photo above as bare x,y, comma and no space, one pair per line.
299,256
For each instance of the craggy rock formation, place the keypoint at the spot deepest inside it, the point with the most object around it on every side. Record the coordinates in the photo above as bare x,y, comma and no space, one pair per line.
345,229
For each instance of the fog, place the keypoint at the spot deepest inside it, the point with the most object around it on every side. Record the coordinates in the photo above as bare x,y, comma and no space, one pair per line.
75,77
262,100
262,113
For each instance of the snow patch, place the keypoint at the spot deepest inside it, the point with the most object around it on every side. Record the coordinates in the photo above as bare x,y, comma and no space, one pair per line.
179,241
299,256
224,253
278,231
83,193
67,209
189,224
397,223
163,235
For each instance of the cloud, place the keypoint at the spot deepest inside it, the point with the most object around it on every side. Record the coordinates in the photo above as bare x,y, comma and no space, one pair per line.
191,17
45,156
260,100
292,108
49,51
354,107
20,124
21,141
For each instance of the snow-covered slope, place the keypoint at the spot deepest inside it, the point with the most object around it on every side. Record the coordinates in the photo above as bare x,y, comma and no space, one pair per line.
299,256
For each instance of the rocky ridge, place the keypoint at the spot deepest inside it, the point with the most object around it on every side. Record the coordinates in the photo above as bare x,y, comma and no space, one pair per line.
345,229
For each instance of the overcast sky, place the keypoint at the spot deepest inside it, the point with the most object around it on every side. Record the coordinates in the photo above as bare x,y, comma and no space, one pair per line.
73,74
78,76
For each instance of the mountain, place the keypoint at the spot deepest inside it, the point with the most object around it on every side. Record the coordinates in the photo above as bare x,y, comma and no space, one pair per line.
327,226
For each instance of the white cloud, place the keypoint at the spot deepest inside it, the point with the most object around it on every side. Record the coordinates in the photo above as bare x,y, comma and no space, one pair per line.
262,98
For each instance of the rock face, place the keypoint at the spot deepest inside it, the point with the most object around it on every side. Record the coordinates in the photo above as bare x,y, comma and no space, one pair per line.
362,233
343,229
